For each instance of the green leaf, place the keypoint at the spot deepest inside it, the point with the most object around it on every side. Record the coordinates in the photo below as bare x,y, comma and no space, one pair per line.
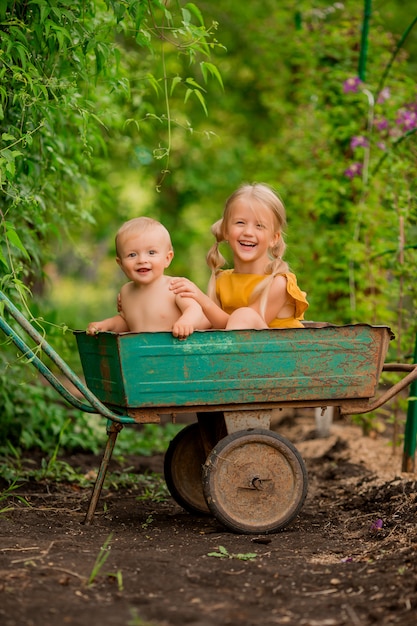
192,8
23,54
3,259
14,239
44,12
8,137
188,94
248,556
186,16
175,81
219,555
154,83
193,83
213,70
11,168
143,38
200,97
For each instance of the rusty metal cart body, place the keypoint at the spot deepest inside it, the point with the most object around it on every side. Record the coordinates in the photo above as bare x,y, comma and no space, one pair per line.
228,463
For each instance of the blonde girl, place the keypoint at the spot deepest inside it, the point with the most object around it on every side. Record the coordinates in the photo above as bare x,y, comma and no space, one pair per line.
260,291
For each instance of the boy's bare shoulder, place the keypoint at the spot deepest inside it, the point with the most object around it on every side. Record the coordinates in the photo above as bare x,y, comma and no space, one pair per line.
127,286
126,289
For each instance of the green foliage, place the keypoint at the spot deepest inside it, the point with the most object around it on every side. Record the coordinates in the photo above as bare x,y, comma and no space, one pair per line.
147,440
8,494
135,620
34,417
15,470
223,553
155,488
100,561
69,71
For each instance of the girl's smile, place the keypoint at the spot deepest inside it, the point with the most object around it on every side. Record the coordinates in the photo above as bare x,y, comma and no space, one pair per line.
251,233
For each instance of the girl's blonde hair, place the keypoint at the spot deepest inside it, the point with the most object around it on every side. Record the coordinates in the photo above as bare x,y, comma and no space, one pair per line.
268,198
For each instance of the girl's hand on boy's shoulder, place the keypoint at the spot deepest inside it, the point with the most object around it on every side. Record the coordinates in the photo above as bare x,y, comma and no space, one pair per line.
184,287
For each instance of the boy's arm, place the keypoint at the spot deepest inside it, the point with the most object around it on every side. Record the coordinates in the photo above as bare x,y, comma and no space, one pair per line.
185,288
115,324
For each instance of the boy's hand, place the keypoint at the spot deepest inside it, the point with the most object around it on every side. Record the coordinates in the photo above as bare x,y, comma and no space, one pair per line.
182,329
115,324
93,328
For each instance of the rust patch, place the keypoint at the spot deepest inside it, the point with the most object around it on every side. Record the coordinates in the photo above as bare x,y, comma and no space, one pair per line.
144,417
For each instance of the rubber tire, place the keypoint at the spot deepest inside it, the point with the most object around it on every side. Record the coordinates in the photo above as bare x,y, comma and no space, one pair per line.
183,465
255,481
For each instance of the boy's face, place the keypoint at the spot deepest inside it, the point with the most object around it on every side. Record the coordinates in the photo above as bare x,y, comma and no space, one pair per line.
143,257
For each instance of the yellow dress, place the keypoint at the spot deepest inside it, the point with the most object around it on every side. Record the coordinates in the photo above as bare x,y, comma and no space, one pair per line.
234,291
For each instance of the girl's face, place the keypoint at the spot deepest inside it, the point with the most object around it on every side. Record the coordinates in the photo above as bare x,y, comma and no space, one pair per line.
251,231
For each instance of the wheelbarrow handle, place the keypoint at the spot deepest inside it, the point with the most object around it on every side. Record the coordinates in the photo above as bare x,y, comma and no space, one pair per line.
346,409
95,405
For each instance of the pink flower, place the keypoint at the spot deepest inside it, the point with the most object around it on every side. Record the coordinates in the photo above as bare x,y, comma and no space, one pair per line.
359,142
351,85
377,525
381,123
355,169
383,95
407,119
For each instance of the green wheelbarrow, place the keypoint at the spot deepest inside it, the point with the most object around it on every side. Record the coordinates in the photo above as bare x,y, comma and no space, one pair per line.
228,463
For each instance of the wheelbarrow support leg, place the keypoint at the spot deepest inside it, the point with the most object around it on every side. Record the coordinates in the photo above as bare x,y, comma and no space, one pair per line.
113,430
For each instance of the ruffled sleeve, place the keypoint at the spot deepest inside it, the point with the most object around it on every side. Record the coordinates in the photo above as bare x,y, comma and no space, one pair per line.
301,304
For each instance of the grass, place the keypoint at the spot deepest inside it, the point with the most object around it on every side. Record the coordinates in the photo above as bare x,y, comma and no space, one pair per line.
101,559
223,553
7,494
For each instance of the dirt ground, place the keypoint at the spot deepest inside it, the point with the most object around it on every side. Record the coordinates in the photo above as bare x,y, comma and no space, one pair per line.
349,557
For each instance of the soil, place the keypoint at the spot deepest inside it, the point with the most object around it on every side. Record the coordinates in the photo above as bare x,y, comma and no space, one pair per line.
348,558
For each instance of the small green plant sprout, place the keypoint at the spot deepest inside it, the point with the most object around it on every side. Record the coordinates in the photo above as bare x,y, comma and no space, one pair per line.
6,494
224,554
102,557
155,488
147,522
118,576
138,621
6,509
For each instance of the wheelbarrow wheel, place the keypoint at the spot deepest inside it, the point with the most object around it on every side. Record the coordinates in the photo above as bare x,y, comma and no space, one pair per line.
183,465
254,481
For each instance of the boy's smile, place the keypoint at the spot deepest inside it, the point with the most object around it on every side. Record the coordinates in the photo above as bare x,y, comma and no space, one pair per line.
144,257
